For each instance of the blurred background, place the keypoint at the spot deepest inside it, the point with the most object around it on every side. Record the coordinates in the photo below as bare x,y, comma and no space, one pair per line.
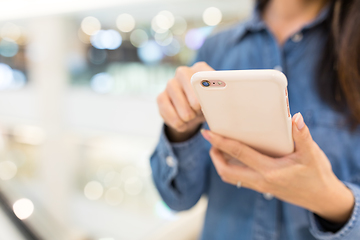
78,115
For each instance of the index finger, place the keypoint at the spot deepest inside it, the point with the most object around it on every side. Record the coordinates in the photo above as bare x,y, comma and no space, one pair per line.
198,67
183,75
240,151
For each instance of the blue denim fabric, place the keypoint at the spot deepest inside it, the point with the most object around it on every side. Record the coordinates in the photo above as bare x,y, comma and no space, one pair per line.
183,172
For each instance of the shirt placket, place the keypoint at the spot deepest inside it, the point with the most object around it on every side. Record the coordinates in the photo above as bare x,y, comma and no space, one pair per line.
267,208
266,218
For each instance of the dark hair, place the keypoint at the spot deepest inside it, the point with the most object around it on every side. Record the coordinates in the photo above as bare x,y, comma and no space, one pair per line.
339,69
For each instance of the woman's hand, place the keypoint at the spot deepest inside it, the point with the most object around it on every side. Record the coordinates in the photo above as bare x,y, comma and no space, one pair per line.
303,178
178,105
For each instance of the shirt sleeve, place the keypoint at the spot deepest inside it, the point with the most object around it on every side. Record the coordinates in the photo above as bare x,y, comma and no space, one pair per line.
328,226
350,231
180,170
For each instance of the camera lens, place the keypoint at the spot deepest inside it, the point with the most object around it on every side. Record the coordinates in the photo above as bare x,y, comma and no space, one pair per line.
205,83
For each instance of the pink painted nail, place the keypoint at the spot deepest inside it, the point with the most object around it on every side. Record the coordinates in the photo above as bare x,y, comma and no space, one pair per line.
205,134
299,120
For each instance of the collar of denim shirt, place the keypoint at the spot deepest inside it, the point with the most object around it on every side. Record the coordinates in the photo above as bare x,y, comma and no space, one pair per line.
256,24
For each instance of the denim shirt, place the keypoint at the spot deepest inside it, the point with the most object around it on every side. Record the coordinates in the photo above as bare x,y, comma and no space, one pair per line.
183,172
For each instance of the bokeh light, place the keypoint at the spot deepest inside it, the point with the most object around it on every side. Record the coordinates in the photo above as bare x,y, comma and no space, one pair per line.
8,48
164,39
83,37
110,178
106,39
93,190
11,79
163,21
156,28
172,49
103,170
212,16
8,170
194,39
150,53
90,25
18,81
23,208
129,172
10,31
102,83
166,22
125,22
139,38
179,27
6,76
114,196
133,186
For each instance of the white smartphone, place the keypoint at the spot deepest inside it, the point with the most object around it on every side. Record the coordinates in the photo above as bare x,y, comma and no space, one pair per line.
250,106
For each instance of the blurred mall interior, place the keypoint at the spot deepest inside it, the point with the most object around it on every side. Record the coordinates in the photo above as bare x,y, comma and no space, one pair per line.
78,115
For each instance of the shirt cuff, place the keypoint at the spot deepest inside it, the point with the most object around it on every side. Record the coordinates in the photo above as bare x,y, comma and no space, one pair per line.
189,150
328,226
351,230
170,153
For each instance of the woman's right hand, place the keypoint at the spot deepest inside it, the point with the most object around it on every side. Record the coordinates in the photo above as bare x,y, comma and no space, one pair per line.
179,106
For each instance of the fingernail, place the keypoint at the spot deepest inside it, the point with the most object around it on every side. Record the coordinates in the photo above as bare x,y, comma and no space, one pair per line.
299,120
205,134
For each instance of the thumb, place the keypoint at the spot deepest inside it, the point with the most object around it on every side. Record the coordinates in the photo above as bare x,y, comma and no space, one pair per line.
301,134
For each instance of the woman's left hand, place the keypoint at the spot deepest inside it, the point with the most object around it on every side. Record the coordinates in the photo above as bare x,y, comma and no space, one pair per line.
303,178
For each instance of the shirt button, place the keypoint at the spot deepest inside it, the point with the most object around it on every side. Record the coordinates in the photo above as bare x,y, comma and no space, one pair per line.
170,161
297,37
278,67
268,196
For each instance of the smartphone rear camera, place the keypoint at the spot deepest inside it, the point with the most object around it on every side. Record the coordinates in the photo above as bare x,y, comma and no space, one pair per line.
205,83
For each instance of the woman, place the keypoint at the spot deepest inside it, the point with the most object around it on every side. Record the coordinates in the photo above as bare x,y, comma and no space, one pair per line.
313,193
